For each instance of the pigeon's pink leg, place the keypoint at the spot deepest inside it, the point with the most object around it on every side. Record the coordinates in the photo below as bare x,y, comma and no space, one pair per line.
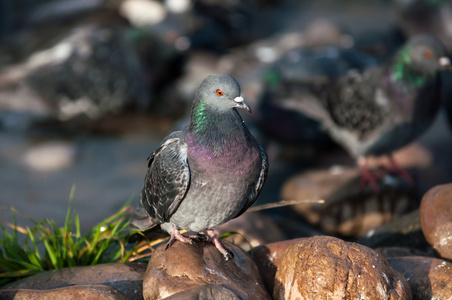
210,237
395,168
213,238
177,236
367,177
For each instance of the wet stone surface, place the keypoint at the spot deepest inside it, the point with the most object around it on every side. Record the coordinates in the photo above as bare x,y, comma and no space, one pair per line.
184,267
268,259
107,281
327,267
347,209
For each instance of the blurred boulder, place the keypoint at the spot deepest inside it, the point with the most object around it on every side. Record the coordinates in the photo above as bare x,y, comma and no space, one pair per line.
347,209
436,219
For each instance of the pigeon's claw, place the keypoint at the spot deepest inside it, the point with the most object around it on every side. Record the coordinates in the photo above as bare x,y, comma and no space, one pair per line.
213,238
228,255
177,236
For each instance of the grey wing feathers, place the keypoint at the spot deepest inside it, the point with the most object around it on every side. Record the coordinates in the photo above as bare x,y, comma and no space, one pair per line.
260,182
165,184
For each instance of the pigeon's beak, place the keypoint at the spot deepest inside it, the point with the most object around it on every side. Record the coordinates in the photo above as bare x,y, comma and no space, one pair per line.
241,103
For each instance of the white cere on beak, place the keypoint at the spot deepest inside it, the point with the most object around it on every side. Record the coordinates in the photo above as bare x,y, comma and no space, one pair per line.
241,103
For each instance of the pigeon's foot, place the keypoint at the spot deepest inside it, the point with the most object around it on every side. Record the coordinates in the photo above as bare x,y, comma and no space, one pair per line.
213,238
210,236
396,169
367,176
177,236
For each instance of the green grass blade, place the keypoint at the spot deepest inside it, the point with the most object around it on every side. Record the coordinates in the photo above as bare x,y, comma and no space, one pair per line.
77,225
51,254
30,235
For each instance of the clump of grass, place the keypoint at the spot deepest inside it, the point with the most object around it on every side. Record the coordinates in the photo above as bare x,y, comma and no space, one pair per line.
45,246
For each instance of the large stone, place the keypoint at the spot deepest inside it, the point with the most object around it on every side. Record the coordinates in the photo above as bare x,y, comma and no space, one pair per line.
325,267
347,210
86,292
125,278
268,258
436,219
207,292
429,278
183,267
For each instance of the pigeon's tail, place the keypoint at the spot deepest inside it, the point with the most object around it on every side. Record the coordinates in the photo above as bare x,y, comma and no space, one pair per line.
140,220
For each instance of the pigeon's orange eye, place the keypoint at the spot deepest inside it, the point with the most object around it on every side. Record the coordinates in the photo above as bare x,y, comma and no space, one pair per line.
428,54
219,92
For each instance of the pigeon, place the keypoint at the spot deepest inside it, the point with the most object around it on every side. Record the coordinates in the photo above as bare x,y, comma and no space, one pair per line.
283,85
372,109
206,174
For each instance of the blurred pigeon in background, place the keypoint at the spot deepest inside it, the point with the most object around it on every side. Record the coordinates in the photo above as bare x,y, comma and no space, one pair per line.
284,85
367,108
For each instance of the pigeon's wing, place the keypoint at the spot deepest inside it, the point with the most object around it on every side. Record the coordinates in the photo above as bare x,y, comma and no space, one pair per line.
165,184
352,105
256,189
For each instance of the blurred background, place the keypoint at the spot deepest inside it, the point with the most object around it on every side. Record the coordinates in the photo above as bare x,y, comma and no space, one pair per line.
88,88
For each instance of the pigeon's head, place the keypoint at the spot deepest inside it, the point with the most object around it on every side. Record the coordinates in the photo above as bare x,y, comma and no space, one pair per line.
221,92
422,56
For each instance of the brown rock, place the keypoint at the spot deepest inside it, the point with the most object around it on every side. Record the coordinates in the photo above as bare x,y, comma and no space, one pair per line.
347,209
429,278
254,229
86,292
325,267
268,257
183,267
206,292
125,277
436,219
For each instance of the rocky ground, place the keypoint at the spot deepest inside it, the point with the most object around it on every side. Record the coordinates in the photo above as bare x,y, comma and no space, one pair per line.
89,88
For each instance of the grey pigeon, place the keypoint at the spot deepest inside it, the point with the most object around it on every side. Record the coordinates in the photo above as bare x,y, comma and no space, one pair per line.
376,109
206,174
284,83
